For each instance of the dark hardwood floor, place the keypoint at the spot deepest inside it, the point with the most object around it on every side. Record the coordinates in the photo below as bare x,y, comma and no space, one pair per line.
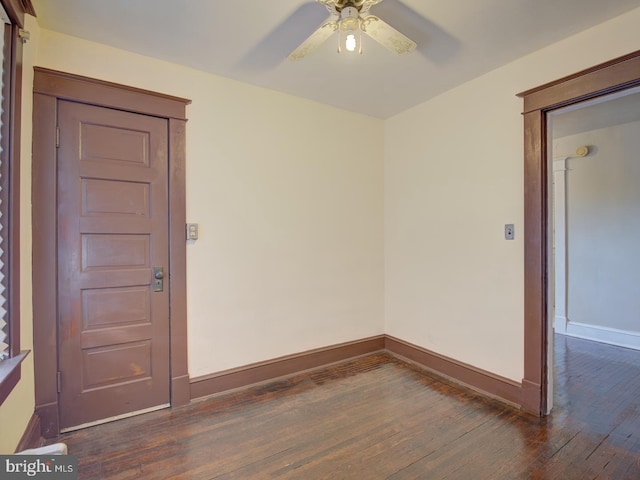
380,418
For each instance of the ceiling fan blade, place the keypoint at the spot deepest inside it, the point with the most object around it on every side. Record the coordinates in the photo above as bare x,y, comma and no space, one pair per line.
367,5
387,36
323,32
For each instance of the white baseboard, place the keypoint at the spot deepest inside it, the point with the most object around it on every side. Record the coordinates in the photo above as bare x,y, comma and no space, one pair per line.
612,336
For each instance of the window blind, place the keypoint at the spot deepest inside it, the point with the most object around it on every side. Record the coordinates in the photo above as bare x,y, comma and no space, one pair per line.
4,325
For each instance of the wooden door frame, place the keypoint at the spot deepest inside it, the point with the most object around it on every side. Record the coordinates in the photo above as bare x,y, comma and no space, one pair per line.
615,75
49,87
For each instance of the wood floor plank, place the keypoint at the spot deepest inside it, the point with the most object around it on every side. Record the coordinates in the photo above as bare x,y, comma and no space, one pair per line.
378,417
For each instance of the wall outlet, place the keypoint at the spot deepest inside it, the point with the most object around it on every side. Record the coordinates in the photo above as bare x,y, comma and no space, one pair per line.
192,231
509,231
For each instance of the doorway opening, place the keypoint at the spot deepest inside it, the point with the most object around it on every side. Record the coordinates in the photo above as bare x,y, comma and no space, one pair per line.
593,174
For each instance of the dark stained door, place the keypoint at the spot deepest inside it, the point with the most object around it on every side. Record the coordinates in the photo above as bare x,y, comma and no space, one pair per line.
112,230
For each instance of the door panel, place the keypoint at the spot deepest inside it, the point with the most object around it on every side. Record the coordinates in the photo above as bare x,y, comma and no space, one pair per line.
112,230
98,198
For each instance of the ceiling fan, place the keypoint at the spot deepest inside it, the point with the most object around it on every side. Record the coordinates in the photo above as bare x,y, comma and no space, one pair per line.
349,18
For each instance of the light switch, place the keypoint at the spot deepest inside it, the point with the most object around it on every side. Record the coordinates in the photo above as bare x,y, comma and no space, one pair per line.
509,231
192,231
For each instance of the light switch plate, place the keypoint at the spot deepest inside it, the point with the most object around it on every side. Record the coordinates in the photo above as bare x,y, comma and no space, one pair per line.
509,231
192,231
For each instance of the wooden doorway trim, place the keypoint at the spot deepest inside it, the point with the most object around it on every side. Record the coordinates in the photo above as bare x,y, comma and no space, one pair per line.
49,87
615,75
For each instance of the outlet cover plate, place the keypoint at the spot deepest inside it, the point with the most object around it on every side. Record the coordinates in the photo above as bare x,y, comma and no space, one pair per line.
192,231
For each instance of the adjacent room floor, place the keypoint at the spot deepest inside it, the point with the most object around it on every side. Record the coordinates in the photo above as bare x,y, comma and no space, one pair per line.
379,418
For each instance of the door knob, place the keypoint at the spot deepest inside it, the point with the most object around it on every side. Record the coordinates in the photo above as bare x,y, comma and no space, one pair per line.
158,282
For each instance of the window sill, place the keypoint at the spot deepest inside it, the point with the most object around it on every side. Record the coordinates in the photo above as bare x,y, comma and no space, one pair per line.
10,374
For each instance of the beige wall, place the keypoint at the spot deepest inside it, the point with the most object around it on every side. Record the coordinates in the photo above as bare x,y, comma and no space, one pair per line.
453,178
290,250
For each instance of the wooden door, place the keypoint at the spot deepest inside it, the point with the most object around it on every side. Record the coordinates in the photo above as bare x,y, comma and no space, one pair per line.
112,230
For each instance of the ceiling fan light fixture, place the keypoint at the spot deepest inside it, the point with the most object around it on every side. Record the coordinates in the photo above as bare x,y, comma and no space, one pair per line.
351,20
350,38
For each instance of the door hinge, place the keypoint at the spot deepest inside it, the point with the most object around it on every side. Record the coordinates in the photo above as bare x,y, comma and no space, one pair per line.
59,381
57,137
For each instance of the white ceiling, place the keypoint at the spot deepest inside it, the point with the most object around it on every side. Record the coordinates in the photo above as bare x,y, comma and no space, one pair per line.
249,41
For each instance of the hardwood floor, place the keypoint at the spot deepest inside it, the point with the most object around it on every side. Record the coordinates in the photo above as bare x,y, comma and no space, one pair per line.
380,418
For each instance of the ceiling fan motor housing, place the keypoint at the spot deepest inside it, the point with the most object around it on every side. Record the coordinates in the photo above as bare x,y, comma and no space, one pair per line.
340,5
349,18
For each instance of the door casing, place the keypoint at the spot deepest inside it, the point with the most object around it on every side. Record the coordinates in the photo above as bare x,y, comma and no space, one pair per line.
615,75
49,87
